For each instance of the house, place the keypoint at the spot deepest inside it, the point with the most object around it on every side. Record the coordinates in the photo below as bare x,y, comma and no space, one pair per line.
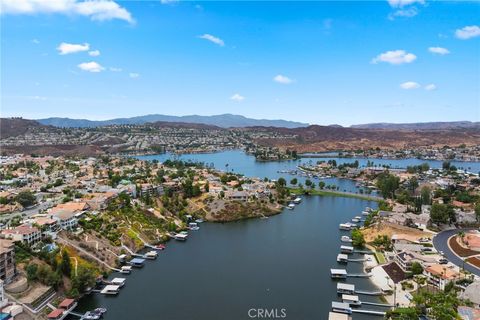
150,189
238,196
47,225
7,260
73,206
25,234
440,275
99,201
471,293
67,219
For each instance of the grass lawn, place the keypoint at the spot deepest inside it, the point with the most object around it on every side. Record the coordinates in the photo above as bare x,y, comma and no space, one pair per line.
380,257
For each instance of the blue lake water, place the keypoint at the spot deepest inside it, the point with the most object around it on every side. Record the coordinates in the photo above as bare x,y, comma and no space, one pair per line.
224,270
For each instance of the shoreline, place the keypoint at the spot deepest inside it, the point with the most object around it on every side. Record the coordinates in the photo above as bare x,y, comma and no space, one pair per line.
335,194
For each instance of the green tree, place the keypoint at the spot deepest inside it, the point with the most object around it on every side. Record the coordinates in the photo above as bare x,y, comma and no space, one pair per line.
425,195
416,268
65,265
25,198
357,238
282,182
442,213
387,184
294,181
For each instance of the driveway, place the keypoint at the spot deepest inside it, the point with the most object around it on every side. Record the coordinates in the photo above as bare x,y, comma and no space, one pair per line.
440,242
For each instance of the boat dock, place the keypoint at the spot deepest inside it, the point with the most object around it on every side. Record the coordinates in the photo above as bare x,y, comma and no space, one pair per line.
357,260
369,293
363,251
378,304
359,275
371,312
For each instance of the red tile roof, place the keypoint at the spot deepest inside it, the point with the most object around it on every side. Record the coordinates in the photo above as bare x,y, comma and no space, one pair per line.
55,314
66,303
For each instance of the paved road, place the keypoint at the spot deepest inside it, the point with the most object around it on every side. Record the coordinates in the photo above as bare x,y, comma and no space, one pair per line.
440,242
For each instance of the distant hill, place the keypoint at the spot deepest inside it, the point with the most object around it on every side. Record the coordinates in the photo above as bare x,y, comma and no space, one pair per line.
12,127
222,120
419,125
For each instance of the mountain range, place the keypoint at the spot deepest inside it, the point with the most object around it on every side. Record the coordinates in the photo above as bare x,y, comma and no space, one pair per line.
222,120
237,121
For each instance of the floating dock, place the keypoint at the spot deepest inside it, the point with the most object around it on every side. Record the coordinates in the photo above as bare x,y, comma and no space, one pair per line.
371,312
338,273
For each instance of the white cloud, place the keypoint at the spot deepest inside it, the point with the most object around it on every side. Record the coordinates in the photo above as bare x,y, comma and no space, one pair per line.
213,39
409,85
395,57
99,10
91,66
134,75
35,41
403,3
430,87
439,50
114,69
168,1
282,79
237,97
467,32
67,48
405,13
94,53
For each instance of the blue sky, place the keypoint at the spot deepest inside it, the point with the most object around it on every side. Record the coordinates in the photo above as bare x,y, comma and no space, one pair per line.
317,62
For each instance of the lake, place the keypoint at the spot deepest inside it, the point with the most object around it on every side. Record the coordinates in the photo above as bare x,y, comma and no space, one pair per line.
223,270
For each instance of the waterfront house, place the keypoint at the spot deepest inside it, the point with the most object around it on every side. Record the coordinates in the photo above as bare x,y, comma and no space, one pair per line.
440,275
25,234
237,195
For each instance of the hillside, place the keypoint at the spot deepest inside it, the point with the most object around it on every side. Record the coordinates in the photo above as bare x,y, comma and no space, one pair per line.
419,125
12,127
324,138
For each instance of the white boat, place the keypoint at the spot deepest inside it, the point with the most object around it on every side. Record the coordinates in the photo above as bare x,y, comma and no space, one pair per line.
358,217
111,289
193,226
365,213
355,220
345,226
126,269
352,300
346,249
346,239
120,282
181,236
199,221
297,200
291,206
345,288
342,258
338,273
341,307
151,255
